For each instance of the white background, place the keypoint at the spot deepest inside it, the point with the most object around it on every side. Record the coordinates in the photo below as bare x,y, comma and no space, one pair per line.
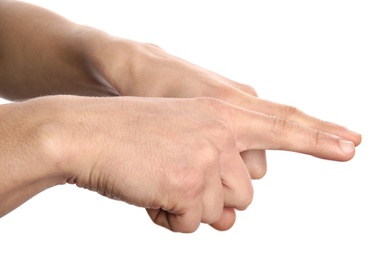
329,58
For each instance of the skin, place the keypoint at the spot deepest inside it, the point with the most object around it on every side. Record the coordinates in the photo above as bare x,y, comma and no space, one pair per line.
122,142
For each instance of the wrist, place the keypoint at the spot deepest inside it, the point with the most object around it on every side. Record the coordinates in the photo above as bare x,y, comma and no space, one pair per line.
107,56
122,63
31,154
89,49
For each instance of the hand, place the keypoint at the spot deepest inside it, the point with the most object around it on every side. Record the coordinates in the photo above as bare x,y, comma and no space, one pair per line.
178,158
232,122
99,64
138,69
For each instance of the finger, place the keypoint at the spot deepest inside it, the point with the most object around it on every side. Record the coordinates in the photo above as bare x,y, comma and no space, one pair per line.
255,160
293,114
226,221
235,177
256,163
260,131
213,194
185,221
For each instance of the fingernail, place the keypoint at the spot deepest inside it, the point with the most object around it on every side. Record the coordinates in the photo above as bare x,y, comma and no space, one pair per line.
358,137
346,146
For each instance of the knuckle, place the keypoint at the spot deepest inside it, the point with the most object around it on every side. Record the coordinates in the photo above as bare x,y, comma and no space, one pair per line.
219,133
210,102
289,111
189,184
219,127
318,140
207,155
191,179
249,90
280,127
152,46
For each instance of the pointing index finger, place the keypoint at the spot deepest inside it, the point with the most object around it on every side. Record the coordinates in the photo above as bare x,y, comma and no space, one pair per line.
254,130
293,114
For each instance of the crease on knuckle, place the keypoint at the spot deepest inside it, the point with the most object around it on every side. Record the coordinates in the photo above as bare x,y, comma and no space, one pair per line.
189,184
314,140
290,111
280,128
190,181
319,140
210,102
219,128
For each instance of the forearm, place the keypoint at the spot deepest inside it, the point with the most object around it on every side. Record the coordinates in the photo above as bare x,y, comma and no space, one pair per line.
42,53
28,155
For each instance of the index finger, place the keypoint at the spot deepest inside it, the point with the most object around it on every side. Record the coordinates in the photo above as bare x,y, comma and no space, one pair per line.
293,114
254,130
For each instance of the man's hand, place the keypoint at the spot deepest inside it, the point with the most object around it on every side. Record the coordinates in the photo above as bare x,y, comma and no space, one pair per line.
65,58
139,69
186,160
178,158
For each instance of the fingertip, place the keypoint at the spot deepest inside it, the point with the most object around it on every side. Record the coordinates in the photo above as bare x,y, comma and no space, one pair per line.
349,135
227,220
255,161
357,138
347,147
